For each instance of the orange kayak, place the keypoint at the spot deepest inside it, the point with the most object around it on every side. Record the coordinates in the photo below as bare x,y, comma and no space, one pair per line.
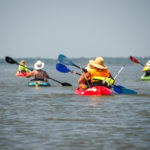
21,74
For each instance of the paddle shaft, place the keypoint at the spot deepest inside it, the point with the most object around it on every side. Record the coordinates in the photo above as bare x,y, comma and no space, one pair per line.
73,72
119,71
62,83
141,64
55,80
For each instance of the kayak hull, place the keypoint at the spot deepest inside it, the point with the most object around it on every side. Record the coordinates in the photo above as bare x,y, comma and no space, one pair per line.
39,83
143,77
94,91
21,74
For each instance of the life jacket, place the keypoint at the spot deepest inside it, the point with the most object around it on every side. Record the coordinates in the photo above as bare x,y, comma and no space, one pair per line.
146,68
23,68
101,75
107,80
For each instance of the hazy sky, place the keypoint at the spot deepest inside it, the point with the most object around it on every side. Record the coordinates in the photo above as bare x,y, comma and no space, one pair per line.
75,28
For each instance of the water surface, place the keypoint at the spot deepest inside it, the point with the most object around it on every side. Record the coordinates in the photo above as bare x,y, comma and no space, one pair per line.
55,118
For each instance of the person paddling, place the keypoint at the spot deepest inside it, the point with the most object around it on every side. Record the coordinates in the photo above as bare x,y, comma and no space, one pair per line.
146,68
22,67
97,73
38,73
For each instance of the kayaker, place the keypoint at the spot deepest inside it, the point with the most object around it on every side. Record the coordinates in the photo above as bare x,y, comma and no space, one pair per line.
98,74
22,67
38,73
146,68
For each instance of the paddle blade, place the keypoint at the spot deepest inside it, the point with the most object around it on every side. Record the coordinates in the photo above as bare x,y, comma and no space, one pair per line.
64,60
128,91
10,60
62,68
66,84
117,89
122,90
125,90
134,59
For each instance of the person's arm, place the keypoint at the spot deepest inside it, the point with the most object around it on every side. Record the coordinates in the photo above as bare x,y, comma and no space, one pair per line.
30,74
26,69
146,68
84,77
48,77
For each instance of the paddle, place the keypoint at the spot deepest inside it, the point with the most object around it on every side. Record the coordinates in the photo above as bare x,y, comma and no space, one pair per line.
135,60
121,89
117,88
12,61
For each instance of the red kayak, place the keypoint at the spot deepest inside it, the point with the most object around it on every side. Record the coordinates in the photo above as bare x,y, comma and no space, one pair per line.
21,74
94,91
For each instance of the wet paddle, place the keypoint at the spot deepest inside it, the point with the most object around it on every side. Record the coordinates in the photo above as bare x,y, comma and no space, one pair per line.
135,60
121,89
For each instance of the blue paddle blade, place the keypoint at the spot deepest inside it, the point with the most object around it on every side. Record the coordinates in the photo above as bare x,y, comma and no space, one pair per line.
62,68
64,60
122,90
117,89
128,91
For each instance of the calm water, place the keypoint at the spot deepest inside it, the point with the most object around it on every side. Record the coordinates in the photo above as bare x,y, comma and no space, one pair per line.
56,118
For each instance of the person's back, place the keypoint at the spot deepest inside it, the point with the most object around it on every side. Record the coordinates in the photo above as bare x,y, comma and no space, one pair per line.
22,67
146,69
98,73
38,74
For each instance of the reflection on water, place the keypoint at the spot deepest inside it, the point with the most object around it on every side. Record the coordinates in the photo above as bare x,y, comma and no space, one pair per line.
56,118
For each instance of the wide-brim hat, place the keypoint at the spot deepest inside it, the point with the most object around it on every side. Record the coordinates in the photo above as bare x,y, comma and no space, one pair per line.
39,65
88,67
98,63
148,63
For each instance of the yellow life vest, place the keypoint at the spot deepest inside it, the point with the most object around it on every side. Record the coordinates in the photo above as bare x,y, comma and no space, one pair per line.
146,68
107,80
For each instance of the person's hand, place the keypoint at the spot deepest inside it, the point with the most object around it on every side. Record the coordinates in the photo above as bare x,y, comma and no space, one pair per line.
83,86
31,69
84,70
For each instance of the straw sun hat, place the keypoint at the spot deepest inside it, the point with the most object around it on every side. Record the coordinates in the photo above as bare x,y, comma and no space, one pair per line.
39,65
98,63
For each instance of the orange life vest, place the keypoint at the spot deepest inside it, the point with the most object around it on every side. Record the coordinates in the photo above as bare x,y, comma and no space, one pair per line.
100,73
